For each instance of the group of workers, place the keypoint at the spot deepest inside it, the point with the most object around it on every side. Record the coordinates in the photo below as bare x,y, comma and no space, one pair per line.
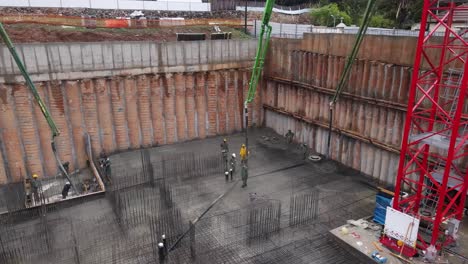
230,164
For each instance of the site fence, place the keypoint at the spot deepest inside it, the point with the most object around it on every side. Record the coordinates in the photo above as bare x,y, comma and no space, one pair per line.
89,22
297,31
187,5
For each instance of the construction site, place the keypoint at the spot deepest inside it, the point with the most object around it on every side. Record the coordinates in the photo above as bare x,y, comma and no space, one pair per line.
208,140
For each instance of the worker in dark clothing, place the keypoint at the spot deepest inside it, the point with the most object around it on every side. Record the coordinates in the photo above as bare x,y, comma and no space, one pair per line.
66,166
161,252
66,189
164,241
105,165
233,164
289,136
244,175
226,175
305,151
224,152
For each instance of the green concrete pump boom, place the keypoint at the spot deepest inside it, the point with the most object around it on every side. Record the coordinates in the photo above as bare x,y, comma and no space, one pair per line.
262,48
349,63
53,127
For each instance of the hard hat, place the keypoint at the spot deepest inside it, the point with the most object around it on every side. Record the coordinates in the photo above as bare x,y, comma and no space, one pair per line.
243,145
230,170
160,244
67,183
233,155
35,176
225,140
163,236
226,173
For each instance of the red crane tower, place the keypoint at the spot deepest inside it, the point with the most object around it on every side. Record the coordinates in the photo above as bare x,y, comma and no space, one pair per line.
433,158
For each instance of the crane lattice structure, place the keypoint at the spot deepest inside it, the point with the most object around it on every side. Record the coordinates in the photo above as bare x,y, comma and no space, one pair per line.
433,159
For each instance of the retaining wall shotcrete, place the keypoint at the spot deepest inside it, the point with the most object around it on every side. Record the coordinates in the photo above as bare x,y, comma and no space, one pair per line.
125,95
301,78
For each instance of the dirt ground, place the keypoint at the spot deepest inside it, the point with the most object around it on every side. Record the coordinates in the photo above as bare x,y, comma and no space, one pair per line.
27,33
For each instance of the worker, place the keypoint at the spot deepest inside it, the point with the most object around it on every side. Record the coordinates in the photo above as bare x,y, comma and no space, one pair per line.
289,136
243,154
66,189
161,252
164,241
244,175
224,152
66,166
36,188
28,192
105,164
305,151
226,174
232,163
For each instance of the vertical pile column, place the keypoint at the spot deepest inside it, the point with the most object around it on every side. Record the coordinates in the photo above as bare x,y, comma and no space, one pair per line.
179,81
190,105
27,125
59,114
131,101
3,175
157,110
10,137
72,89
105,115
45,135
119,113
212,104
200,92
169,111
221,83
231,101
144,108
88,98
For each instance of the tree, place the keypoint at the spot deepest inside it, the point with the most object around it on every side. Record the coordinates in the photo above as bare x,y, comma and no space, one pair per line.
323,16
381,22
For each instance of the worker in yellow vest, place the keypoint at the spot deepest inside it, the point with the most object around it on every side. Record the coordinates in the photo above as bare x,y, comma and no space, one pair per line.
243,154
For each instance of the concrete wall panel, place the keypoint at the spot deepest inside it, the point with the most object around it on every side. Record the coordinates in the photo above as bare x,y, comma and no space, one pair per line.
201,104
180,107
104,110
169,108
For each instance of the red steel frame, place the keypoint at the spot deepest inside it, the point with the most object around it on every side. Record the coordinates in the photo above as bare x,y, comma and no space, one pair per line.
429,114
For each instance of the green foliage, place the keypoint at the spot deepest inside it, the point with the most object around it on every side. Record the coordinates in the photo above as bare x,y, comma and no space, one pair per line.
381,22
402,14
323,16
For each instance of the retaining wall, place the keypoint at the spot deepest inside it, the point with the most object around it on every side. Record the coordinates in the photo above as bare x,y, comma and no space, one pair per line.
125,95
369,117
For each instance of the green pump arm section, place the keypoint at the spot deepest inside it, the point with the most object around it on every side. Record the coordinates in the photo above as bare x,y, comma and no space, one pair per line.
263,40
32,87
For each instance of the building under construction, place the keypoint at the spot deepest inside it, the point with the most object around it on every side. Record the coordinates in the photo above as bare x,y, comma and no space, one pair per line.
364,167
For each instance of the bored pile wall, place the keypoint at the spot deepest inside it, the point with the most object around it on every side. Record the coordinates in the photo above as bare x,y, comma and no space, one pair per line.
368,122
125,95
